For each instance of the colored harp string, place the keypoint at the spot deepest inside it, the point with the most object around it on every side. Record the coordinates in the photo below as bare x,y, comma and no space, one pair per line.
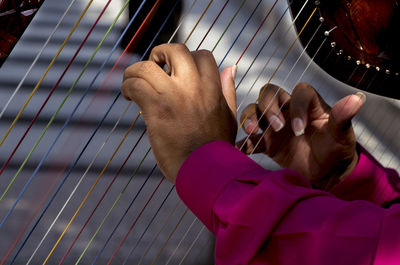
177,222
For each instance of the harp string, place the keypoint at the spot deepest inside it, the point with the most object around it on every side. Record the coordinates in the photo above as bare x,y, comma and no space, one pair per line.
312,37
212,24
124,188
36,58
374,134
262,47
56,85
122,217
87,143
280,108
198,21
51,200
240,33
307,67
191,245
199,233
46,128
269,59
220,64
166,221
302,53
91,189
111,183
255,34
169,237
227,27
276,70
103,196
136,219
149,224
186,40
181,21
313,134
181,241
46,72
89,192
193,30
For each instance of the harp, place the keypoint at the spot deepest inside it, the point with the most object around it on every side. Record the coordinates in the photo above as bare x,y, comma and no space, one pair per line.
103,145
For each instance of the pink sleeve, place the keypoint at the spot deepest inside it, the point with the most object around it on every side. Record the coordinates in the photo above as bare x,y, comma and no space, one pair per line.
275,217
369,181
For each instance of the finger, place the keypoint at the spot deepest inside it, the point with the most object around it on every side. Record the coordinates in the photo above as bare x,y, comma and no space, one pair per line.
249,119
228,87
253,144
344,110
150,72
178,59
206,65
305,103
140,91
271,100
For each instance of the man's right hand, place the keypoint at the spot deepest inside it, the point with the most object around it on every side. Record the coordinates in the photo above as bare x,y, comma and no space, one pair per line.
301,132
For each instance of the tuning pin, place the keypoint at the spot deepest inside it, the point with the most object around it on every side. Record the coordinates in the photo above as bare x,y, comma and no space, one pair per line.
326,33
387,71
378,68
340,51
368,65
333,44
397,74
358,62
349,58
321,19
317,2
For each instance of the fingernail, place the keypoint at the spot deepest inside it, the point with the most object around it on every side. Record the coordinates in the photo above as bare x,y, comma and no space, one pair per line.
234,71
248,125
276,123
298,126
362,96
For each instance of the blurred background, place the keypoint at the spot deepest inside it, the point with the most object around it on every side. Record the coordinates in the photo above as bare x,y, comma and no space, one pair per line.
165,232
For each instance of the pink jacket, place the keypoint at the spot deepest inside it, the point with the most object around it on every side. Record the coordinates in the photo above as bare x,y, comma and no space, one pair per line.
275,217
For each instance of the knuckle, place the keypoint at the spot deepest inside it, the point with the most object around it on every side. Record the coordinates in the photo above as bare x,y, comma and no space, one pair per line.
179,47
157,48
140,69
303,86
126,88
204,53
130,87
268,88
248,111
129,72
146,67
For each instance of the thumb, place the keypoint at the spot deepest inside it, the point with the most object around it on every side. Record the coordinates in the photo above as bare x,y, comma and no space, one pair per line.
228,87
344,110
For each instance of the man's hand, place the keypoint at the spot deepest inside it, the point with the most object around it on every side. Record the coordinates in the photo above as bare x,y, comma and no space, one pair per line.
303,133
190,106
